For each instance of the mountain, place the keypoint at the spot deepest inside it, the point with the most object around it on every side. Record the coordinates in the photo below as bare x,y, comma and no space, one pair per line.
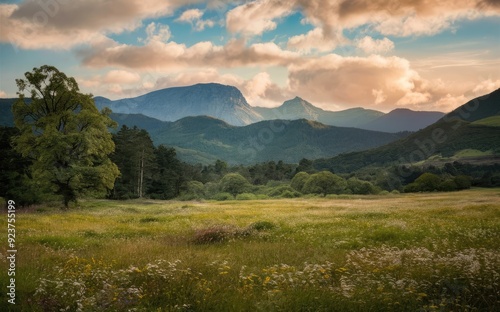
403,119
211,99
140,121
6,116
298,108
205,139
471,129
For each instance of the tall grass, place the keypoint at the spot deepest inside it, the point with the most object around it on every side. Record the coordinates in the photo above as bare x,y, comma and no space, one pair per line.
429,252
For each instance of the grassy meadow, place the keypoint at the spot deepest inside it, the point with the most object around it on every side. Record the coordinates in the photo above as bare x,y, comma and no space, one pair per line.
404,252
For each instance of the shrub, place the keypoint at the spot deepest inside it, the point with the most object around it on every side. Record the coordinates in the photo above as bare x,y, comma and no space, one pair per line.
448,186
299,180
324,183
246,196
223,196
234,184
214,234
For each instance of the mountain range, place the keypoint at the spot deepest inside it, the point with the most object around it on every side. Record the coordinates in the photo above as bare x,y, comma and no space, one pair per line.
227,103
298,129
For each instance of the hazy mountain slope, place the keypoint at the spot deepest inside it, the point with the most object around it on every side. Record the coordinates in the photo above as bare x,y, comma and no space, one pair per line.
215,100
298,108
289,141
140,121
447,137
403,119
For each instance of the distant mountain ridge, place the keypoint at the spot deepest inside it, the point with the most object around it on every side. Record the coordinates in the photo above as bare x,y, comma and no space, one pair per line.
227,103
211,99
403,119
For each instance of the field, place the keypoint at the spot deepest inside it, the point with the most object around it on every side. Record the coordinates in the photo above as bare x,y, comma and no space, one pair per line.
407,252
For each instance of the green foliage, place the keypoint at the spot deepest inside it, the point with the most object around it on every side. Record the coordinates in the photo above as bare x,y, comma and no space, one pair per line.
285,191
324,183
357,186
223,196
299,180
134,156
428,182
64,134
234,184
246,196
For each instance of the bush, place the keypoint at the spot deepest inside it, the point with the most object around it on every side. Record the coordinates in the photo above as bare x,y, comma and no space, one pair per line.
324,183
234,184
281,190
246,196
299,180
213,234
448,186
463,182
223,196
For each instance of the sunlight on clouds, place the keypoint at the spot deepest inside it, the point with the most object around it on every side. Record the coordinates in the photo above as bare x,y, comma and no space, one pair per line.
254,18
377,46
487,86
121,76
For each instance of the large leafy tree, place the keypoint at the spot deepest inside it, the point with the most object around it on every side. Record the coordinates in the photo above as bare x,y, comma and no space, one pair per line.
64,134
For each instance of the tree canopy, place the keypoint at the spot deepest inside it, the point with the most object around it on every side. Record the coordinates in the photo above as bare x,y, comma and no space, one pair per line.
63,134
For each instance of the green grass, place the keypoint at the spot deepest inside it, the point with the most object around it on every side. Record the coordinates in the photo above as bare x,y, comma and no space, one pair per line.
471,153
407,252
493,121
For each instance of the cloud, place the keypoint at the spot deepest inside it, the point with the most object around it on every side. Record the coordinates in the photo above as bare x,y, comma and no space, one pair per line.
193,17
375,81
3,94
121,76
399,18
314,40
256,17
190,15
62,24
173,56
157,32
378,46
486,86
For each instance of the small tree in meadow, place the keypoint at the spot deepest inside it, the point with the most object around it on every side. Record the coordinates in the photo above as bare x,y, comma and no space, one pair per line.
234,184
324,183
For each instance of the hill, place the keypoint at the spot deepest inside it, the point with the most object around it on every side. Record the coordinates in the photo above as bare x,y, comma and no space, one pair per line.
206,138
215,100
446,138
403,119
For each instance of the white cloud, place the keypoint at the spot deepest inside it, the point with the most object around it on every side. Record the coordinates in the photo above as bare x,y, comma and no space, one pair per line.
174,56
64,24
3,94
157,32
121,77
486,86
190,15
193,17
256,17
315,40
377,46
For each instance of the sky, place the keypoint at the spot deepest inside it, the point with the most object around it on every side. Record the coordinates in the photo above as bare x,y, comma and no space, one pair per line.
336,54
